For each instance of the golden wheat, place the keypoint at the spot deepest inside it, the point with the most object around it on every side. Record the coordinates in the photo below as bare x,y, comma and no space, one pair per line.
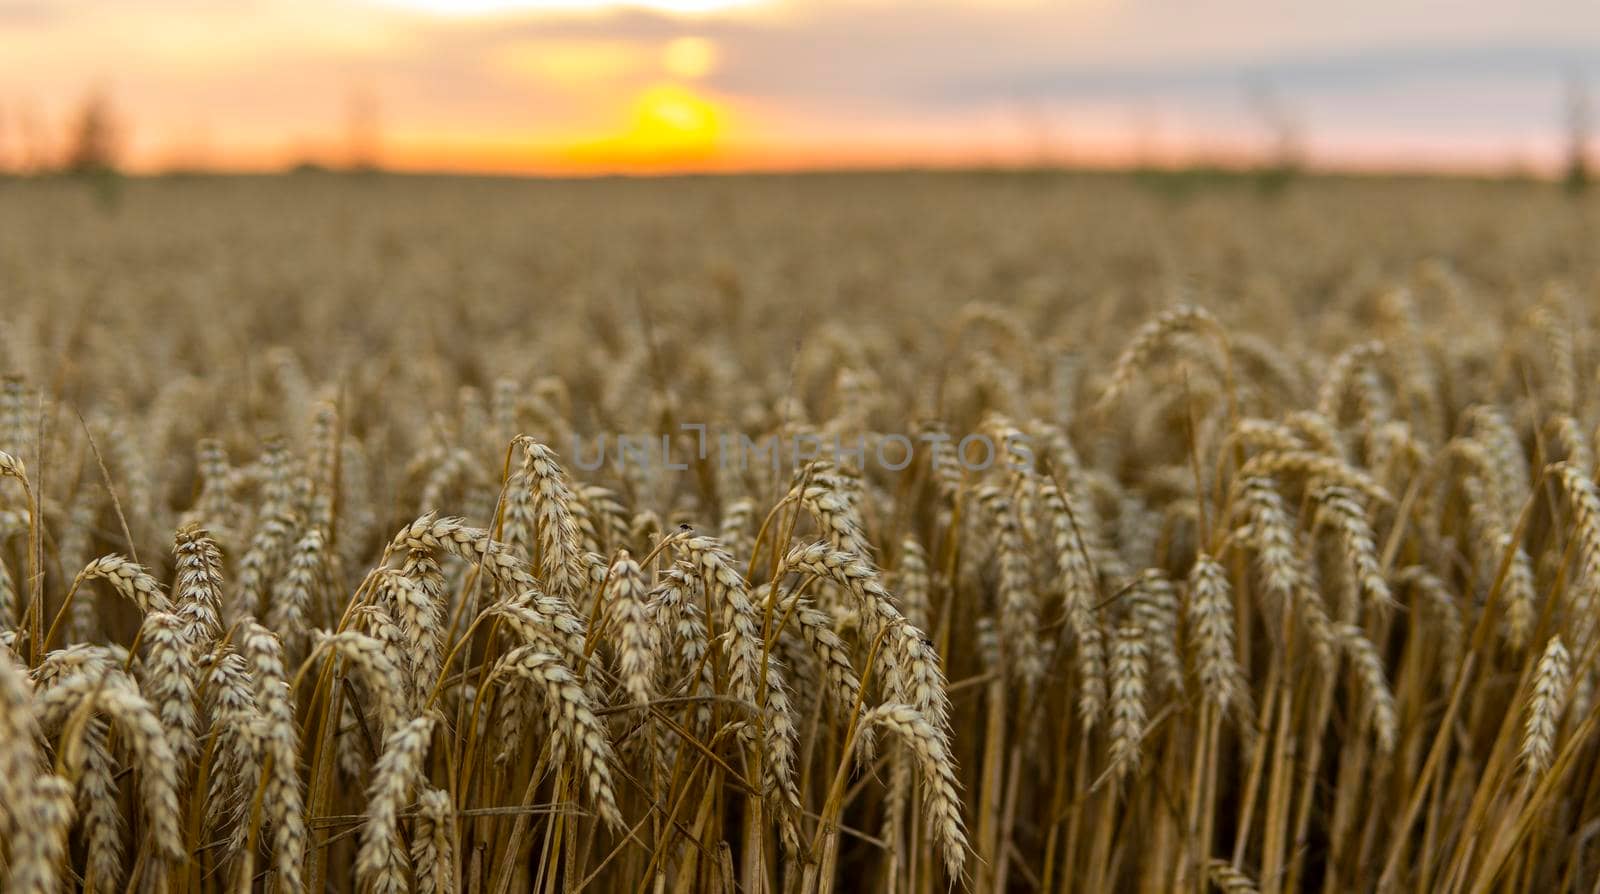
467,536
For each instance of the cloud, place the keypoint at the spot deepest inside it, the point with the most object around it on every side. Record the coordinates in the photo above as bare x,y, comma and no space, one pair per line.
1346,72
27,13
877,54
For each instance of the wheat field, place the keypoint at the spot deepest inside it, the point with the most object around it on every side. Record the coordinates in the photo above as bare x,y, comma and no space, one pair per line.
1002,532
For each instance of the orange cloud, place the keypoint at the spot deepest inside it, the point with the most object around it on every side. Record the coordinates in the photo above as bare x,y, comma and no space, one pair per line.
576,64
690,58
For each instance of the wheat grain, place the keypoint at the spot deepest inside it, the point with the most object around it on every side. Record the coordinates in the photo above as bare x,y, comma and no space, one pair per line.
373,658
1551,680
839,678
1227,879
19,742
1585,502
910,667
1572,442
1339,509
197,585
638,638
1350,376
12,467
572,720
560,553
168,680
941,790
1380,707
1129,665
41,843
1211,632
1272,533
138,727
97,805
282,792
1019,602
753,677
303,585
130,580
1153,604
1315,467
381,862
265,558
1153,337
433,844
238,735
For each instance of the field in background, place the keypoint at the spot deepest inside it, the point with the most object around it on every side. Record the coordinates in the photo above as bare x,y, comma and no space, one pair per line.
1283,573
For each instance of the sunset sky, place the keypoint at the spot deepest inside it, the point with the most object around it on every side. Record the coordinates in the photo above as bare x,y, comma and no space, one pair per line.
584,86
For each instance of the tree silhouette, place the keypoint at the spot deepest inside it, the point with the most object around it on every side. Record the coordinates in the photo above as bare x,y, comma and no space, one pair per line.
8,164
95,140
363,130
1577,174
1285,151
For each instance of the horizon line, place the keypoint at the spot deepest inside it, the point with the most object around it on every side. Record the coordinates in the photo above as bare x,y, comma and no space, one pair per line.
1512,171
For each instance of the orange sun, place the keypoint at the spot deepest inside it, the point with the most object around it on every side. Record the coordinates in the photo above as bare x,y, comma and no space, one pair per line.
669,115
671,127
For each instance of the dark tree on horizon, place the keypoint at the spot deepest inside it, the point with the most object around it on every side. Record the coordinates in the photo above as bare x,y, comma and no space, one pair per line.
95,139
1578,124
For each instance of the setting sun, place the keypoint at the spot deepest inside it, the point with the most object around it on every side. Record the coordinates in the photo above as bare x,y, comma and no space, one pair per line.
670,115
670,127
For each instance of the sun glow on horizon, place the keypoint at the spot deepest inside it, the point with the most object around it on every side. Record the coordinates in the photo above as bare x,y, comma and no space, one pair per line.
673,121
671,127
